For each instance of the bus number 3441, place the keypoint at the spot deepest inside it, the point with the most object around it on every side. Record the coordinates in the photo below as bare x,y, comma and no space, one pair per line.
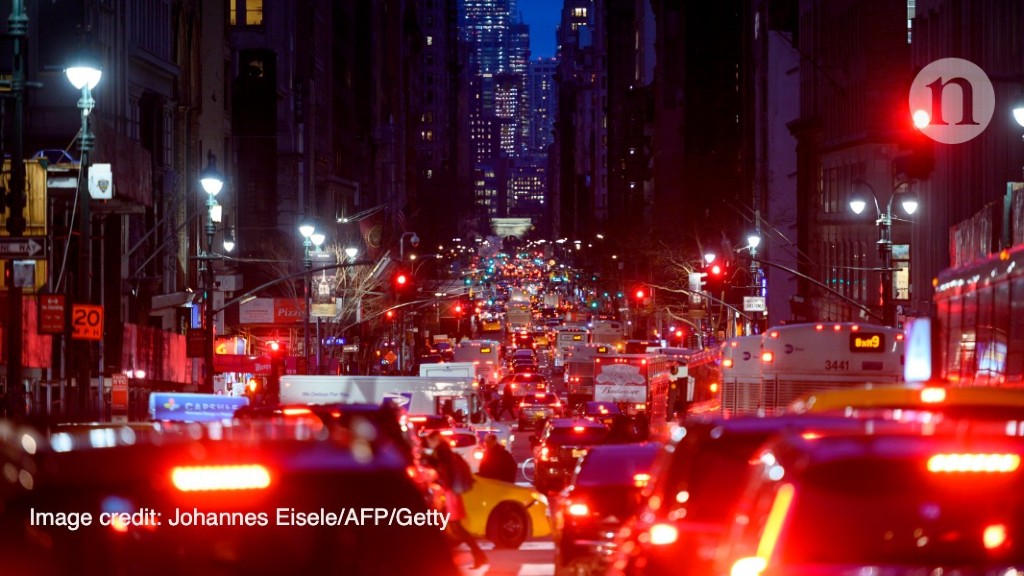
837,364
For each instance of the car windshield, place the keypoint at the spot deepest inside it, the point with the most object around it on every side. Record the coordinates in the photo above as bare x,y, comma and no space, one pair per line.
905,515
577,435
620,465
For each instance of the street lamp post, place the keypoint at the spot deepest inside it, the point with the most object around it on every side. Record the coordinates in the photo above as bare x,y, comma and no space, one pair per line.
84,76
306,229
414,241
212,182
884,223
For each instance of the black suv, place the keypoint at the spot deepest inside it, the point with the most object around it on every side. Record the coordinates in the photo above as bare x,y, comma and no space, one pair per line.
559,448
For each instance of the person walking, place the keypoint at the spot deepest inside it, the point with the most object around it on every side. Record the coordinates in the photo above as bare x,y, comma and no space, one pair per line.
508,402
453,482
497,462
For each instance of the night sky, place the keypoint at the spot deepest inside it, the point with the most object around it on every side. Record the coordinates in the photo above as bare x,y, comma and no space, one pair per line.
542,16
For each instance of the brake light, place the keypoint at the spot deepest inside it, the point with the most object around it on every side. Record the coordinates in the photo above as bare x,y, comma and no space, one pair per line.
578,509
994,536
556,404
522,404
933,395
538,395
206,478
417,419
749,566
447,432
544,451
663,534
641,479
578,428
296,411
767,357
773,525
640,406
974,463
478,454
727,363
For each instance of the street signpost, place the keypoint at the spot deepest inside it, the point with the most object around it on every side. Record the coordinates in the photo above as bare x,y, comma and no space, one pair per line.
25,248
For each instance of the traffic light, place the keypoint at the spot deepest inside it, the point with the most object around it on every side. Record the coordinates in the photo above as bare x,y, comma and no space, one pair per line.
457,308
390,315
402,284
714,282
277,352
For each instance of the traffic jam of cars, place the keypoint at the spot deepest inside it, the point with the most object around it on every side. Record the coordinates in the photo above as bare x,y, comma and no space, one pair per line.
622,458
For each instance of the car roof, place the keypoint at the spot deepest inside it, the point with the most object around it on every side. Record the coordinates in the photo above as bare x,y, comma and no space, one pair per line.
910,396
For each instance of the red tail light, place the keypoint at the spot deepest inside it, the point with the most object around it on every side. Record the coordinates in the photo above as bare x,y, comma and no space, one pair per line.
767,357
208,478
663,534
578,509
544,451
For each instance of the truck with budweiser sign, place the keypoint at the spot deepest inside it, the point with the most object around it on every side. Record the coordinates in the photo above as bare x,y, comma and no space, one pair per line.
639,384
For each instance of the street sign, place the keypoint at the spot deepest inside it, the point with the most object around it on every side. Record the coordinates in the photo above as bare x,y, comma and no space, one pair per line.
753,304
86,322
51,313
33,248
119,393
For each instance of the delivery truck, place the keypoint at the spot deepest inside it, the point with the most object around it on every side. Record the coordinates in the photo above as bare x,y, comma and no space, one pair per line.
414,394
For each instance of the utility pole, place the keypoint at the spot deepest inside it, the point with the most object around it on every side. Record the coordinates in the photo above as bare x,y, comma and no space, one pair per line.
17,28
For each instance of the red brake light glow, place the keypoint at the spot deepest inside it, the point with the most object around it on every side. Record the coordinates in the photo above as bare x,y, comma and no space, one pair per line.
994,536
767,357
1002,463
933,395
641,479
208,478
663,534
578,509
296,411
727,363
578,428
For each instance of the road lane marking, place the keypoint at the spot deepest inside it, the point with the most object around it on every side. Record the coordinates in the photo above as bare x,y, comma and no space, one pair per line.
536,570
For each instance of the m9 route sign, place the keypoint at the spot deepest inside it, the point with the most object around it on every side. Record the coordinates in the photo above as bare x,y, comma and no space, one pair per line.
86,322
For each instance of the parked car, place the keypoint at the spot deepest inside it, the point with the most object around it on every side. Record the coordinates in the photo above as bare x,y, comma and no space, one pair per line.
604,493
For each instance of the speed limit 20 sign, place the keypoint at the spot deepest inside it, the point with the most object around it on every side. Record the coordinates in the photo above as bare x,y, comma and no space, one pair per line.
86,322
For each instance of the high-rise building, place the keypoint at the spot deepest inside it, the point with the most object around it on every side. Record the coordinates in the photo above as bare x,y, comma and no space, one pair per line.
542,94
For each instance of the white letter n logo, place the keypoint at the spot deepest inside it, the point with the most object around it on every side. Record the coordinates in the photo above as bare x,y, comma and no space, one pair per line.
966,101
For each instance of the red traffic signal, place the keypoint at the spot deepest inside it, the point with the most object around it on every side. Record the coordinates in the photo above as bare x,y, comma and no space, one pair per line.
401,280
390,314
458,308
640,294
715,270
275,347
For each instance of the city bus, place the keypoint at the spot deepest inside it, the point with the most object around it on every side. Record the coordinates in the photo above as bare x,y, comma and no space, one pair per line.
580,364
725,379
565,340
611,332
484,354
979,327
797,359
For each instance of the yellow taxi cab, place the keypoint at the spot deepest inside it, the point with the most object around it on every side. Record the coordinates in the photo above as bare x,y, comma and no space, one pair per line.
976,403
505,513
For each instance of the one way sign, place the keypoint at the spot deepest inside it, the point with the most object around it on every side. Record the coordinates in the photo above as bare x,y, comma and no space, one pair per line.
23,248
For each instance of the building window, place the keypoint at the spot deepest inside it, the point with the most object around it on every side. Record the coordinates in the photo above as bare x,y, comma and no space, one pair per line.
901,271
250,12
